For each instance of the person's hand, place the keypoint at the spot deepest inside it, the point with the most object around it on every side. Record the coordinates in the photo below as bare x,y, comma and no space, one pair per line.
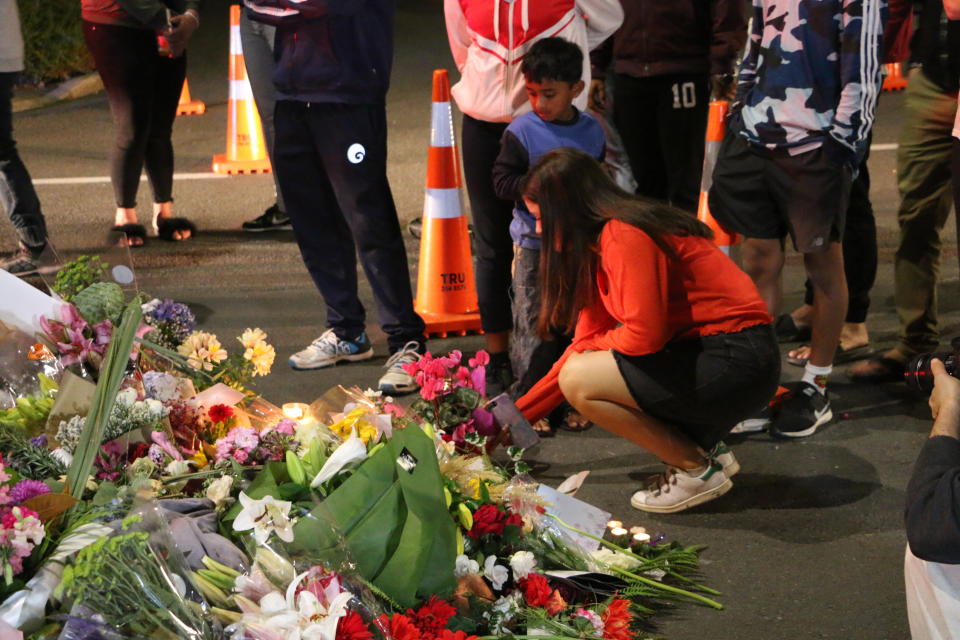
944,402
723,86
597,98
181,28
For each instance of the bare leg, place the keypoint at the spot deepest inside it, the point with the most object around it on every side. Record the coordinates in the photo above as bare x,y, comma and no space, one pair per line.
763,261
592,383
829,302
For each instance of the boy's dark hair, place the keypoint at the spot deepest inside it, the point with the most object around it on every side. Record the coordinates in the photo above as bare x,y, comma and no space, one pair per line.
553,59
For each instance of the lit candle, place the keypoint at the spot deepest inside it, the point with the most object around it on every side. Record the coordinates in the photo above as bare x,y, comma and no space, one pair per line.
618,531
294,410
614,524
641,537
637,530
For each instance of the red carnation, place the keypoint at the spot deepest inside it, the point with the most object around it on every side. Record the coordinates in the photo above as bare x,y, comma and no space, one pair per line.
536,590
446,634
352,627
220,413
616,620
432,617
487,519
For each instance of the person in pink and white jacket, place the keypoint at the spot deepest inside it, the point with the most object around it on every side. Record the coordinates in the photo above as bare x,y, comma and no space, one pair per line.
489,39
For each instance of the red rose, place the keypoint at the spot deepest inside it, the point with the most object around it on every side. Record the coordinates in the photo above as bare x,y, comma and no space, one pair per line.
616,620
536,590
487,519
219,413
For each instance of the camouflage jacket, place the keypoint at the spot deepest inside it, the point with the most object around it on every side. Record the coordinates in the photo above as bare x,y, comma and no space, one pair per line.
812,70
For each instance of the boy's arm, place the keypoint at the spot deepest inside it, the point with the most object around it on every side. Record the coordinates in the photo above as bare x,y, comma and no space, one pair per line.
748,68
510,167
860,47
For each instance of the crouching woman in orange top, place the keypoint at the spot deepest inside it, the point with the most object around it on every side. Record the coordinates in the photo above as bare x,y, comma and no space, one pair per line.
673,345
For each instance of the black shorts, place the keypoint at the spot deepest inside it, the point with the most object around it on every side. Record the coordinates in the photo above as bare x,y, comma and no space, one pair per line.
764,193
706,386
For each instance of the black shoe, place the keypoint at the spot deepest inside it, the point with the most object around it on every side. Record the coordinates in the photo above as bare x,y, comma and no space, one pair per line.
499,375
802,413
30,262
273,219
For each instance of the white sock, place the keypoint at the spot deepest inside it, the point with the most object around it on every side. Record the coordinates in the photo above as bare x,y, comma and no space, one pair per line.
817,376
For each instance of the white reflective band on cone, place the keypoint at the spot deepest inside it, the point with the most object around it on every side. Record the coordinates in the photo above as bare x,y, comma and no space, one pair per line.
235,47
442,203
441,125
241,90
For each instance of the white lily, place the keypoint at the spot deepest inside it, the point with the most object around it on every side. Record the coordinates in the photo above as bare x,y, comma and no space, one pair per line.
265,516
347,455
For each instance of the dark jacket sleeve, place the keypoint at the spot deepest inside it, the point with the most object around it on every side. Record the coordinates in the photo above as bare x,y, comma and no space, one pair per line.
292,11
510,168
729,34
600,59
933,502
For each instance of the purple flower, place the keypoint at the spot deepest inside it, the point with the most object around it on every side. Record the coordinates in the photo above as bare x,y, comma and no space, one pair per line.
40,441
26,489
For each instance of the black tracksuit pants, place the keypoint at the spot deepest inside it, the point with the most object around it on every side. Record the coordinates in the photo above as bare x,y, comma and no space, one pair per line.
17,195
332,169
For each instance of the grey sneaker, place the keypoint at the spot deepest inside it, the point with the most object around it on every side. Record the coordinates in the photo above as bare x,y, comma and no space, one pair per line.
26,262
396,380
328,350
273,219
723,455
675,489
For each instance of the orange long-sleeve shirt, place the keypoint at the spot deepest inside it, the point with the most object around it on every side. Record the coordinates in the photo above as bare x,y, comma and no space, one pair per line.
645,299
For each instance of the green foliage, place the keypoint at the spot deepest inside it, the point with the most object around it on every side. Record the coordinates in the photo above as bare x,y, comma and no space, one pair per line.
53,39
76,276
26,459
100,301
30,413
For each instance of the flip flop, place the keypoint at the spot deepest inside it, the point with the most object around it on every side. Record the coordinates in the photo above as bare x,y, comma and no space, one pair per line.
788,331
881,369
843,356
131,230
565,424
166,227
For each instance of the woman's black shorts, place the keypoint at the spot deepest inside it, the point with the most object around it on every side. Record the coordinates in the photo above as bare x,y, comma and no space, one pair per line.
705,386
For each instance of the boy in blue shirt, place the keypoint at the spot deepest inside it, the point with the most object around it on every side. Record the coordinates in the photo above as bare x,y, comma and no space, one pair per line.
552,70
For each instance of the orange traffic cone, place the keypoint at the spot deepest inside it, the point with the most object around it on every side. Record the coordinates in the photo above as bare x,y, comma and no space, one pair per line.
716,129
894,80
188,107
446,294
246,149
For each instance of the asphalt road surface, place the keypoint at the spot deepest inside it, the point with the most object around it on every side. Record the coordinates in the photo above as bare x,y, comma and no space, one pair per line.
808,544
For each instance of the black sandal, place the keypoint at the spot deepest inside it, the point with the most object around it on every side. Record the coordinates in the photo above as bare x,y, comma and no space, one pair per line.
788,331
567,425
130,230
166,227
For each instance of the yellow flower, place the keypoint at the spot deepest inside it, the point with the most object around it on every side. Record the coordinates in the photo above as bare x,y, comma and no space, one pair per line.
202,350
200,458
355,420
261,356
252,337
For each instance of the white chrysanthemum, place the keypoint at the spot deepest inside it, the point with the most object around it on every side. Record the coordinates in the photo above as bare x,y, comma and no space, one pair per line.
251,337
522,563
465,566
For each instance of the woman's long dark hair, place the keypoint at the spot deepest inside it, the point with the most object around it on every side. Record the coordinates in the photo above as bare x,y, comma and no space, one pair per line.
576,199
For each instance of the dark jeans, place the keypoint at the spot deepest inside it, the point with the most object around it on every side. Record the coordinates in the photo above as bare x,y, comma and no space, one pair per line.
706,386
662,121
332,168
859,246
491,223
143,89
17,195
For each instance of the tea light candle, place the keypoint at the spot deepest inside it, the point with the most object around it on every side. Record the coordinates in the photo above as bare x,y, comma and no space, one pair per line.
614,524
618,531
641,536
295,410
637,530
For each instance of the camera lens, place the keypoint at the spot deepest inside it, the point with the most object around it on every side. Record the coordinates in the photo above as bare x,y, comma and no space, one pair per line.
917,375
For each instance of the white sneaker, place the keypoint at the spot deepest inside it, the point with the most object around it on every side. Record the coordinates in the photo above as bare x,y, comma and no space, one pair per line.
397,381
675,489
756,423
724,456
328,350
